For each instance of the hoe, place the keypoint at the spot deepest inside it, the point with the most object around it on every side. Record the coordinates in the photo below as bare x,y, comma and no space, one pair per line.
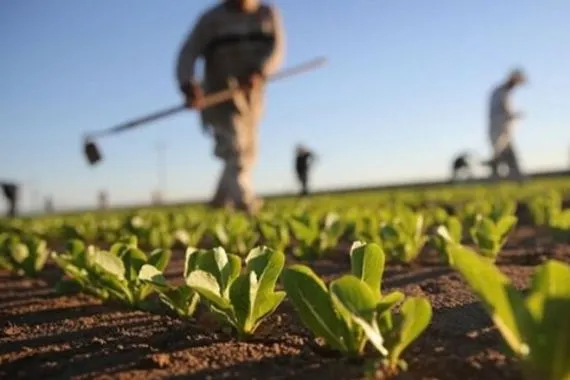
93,154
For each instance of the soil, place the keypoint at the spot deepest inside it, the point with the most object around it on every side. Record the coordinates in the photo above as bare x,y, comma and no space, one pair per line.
45,335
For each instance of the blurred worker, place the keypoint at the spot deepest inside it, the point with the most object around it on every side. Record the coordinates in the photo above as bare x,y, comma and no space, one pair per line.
48,205
303,160
103,200
461,167
10,191
501,123
241,41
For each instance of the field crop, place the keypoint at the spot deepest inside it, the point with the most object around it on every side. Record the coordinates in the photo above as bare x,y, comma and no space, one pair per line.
460,281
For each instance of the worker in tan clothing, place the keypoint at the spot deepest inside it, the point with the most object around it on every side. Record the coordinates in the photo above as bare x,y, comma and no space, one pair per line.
502,120
240,41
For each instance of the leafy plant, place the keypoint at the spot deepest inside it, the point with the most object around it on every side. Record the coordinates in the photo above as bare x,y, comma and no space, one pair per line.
113,274
353,310
236,235
23,254
535,327
403,237
241,300
450,229
490,236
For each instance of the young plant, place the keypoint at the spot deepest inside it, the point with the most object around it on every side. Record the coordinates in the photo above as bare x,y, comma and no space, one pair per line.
24,255
559,226
236,235
490,236
353,310
544,208
535,327
113,274
244,300
450,229
181,299
275,234
403,237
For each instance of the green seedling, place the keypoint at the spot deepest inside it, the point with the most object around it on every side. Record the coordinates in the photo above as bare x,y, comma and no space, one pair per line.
113,274
353,311
403,236
490,236
243,300
24,255
535,326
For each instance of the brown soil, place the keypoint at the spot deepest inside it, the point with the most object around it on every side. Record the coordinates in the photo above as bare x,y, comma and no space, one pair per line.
45,335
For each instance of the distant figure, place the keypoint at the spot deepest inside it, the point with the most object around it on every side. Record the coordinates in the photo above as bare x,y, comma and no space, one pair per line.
10,191
103,200
501,123
156,198
303,160
48,205
461,167
241,42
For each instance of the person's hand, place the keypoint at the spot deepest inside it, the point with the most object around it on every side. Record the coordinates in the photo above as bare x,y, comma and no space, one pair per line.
254,79
194,95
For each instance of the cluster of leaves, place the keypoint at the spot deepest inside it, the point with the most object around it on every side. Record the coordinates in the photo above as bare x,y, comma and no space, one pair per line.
535,326
116,273
352,311
24,255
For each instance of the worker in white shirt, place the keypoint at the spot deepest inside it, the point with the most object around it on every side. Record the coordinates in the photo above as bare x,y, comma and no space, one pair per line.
502,118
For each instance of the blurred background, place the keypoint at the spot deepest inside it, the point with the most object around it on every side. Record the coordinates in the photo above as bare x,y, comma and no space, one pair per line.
405,89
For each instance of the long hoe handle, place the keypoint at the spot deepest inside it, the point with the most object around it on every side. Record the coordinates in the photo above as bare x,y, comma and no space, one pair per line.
210,100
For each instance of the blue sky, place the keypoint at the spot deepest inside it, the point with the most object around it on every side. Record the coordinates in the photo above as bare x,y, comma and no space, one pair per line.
405,89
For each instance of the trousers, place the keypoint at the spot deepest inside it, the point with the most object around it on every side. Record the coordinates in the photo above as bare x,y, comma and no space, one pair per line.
503,151
235,143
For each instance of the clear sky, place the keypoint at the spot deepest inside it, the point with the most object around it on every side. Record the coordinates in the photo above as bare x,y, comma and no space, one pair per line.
406,88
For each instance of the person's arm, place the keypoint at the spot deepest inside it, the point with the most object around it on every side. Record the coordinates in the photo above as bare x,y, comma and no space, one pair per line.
507,107
191,49
272,63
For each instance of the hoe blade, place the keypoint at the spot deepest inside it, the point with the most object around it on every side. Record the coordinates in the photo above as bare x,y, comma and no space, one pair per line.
92,152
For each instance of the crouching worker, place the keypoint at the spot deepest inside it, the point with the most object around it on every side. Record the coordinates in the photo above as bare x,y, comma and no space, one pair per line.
303,160
10,191
243,41
461,167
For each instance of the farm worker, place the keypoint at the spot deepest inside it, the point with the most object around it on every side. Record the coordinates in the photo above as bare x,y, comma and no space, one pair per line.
501,123
243,41
303,159
11,191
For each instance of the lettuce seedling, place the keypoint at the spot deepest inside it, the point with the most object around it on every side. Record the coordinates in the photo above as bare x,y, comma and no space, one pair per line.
112,274
275,234
535,327
237,234
403,236
559,226
490,236
545,207
24,255
241,300
353,310
450,229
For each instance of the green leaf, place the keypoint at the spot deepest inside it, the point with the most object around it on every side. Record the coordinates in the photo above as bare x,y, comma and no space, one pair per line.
501,300
267,264
159,258
311,300
153,276
414,317
367,264
372,332
242,296
133,260
109,263
206,285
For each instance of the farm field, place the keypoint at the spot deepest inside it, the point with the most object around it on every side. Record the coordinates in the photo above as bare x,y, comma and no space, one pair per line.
145,305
